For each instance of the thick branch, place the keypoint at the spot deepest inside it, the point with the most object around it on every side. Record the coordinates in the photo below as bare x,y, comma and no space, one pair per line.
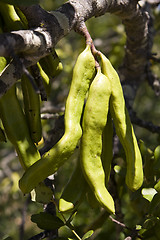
48,28
153,2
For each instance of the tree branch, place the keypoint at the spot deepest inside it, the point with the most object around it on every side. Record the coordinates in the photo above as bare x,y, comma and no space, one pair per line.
153,2
47,28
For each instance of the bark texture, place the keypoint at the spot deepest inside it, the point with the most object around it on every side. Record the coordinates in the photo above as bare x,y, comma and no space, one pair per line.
47,28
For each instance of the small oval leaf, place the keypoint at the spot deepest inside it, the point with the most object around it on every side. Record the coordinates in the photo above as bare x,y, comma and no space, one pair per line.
148,193
41,194
87,234
47,221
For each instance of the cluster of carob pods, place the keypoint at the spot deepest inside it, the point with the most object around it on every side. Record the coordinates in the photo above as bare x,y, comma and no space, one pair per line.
88,130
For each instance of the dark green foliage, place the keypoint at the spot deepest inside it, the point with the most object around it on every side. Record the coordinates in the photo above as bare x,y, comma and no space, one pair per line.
47,221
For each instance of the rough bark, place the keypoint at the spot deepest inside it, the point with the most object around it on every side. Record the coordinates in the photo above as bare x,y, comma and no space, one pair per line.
47,28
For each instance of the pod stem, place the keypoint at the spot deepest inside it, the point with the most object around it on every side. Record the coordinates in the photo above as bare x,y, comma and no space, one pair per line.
82,29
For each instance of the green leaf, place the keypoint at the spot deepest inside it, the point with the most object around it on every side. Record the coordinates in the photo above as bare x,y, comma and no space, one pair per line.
151,229
87,234
148,193
148,234
157,158
20,2
155,205
150,223
157,153
47,221
138,227
117,168
41,194
142,147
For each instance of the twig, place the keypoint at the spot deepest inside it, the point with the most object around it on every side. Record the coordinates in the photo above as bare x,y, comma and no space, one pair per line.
119,223
22,225
133,232
51,209
49,116
52,109
144,124
54,135
67,223
114,192
42,235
